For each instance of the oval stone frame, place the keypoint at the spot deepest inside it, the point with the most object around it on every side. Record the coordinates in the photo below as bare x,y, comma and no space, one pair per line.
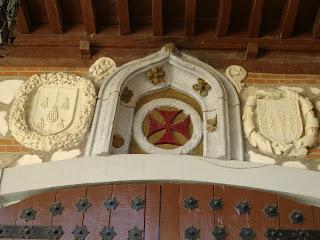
266,145
18,123
143,142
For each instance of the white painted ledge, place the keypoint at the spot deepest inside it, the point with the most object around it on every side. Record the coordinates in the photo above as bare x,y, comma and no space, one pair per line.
23,181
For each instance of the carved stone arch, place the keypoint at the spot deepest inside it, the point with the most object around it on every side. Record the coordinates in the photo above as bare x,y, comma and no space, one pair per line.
182,72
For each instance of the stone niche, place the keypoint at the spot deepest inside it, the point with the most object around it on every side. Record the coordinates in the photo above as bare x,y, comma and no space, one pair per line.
167,103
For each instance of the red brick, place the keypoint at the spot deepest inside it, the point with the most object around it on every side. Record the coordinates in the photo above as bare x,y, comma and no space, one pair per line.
7,141
272,76
273,81
2,149
313,156
16,149
285,81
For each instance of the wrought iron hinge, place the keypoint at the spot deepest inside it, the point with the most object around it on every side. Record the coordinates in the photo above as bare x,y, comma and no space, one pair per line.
31,232
292,234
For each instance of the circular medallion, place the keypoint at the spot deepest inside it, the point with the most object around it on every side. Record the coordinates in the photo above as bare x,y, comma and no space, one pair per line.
167,126
52,111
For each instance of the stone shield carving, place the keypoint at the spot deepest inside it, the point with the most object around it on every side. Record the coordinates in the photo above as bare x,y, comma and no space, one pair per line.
52,111
280,122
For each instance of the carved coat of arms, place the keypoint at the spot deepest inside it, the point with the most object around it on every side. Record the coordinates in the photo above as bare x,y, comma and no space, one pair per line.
280,122
54,109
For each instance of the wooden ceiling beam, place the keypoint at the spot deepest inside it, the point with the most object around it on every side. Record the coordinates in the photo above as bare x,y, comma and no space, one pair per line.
23,19
54,15
316,26
255,18
190,17
288,18
89,16
224,15
124,16
157,17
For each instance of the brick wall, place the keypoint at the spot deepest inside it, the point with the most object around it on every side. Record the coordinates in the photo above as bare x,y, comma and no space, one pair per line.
283,79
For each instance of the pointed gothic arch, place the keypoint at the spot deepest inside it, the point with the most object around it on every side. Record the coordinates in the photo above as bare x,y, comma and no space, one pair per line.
182,72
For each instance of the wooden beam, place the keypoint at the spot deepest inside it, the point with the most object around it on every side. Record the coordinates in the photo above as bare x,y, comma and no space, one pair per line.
252,50
316,26
23,19
255,18
157,17
54,15
124,16
85,49
190,17
89,17
288,18
224,15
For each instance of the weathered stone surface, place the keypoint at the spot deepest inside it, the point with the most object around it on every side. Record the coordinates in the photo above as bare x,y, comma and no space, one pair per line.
8,90
280,122
62,155
3,123
52,111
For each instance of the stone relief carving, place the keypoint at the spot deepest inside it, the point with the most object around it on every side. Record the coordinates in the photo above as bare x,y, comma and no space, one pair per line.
52,111
212,124
236,74
102,68
142,138
156,75
280,122
202,87
181,73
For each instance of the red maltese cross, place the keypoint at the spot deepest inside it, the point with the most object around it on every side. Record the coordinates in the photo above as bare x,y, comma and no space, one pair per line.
169,127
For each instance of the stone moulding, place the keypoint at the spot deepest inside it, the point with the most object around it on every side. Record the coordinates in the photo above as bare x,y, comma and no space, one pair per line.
142,140
28,136
182,71
306,136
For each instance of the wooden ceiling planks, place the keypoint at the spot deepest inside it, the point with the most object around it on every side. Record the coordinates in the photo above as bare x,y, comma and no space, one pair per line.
316,27
288,18
23,18
124,16
224,15
255,18
157,17
224,25
54,15
89,16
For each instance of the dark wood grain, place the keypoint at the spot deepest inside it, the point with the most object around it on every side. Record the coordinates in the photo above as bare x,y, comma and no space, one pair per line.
54,15
23,18
124,16
257,219
228,216
202,217
287,206
224,15
157,17
70,217
252,50
152,213
255,18
316,26
190,17
316,217
123,218
41,204
97,216
89,15
170,212
288,18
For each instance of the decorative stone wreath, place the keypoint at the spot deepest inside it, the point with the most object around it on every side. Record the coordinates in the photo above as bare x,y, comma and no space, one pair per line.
298,147
34,139
148,147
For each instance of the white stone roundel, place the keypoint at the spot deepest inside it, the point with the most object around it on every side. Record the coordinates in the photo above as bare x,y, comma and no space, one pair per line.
52,111
148,147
